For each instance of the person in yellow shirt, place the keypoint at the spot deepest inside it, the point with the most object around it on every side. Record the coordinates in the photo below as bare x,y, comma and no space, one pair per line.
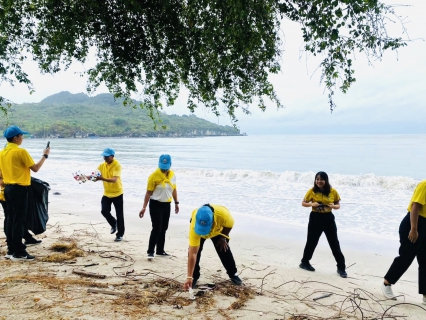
160,190
15,166
322,198
29,239
110,171
215,222
412,236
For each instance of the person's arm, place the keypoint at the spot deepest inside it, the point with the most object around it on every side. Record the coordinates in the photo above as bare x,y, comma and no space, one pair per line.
308,204
112,180
335,205
414,220
38,165
192,259
148,195
175,199
222,243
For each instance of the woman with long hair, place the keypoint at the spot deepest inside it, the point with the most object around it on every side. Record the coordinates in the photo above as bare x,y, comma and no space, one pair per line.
322,198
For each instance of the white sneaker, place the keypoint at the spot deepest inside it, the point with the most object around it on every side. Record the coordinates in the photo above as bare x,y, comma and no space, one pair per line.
387,291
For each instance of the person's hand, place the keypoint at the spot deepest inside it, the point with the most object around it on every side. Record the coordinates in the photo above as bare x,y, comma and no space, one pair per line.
331,205
413,235
46,151
187,284
176,208
222,244
314,204
142,212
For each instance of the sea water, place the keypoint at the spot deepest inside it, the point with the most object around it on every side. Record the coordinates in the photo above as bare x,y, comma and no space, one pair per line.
263,177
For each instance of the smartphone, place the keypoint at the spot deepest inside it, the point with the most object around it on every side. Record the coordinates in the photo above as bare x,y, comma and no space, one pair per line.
48,144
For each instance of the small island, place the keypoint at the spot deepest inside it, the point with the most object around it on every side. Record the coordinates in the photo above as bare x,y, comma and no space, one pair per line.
67,115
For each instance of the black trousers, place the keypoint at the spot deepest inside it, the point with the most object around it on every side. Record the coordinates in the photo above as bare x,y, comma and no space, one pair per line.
17,203
319,223
160,216
226,258
408,251
106,203
7,226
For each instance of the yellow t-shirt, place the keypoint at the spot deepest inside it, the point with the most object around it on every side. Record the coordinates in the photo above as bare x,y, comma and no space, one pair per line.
2,198
221,219
15,165
311,196
111,189
419,196
162,186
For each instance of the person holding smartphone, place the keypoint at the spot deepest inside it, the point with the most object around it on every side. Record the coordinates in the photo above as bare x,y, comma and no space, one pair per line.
15,166
322,198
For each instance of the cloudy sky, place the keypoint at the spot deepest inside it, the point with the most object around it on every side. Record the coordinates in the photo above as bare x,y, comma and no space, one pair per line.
388,97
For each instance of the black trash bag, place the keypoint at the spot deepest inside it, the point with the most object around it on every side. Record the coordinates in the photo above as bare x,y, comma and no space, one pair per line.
37,216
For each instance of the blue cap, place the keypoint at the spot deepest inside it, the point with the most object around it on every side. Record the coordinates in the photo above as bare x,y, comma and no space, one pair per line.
108,152
203,221
165,162
13,131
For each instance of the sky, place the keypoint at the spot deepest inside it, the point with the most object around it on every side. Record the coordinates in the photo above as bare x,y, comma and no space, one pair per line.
389,96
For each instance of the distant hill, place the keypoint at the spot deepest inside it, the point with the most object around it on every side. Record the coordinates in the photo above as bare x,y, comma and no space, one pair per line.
77,115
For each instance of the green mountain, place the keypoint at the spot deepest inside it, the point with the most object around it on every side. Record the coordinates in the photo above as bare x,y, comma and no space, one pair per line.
67,115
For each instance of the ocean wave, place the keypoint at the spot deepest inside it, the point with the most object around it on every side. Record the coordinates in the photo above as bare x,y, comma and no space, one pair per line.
365,180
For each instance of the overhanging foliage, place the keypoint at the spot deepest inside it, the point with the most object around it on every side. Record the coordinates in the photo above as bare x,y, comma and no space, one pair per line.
221,51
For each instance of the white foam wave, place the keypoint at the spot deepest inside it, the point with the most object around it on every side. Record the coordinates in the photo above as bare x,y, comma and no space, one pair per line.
365,180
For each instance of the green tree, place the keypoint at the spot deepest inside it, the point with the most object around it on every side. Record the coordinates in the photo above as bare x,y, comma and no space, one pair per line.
221,51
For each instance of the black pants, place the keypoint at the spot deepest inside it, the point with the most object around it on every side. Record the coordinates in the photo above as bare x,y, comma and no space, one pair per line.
7,225
119,212
226,258
160,216
319,223
408,251
17,202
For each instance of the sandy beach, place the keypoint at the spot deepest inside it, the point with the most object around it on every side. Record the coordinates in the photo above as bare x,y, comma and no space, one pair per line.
118,282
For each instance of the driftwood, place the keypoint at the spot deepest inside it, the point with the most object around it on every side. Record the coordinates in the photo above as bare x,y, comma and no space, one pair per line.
323,296
88,274
115,293
112,292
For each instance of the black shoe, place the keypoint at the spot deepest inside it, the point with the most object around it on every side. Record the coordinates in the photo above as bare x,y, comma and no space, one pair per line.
8,255
114,229
150,256
118,238
236,280
342,273
23,257
32,242
194,283
306,266
164,254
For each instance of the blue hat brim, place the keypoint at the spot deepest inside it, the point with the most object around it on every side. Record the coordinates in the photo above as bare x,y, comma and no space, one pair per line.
164,166
202,230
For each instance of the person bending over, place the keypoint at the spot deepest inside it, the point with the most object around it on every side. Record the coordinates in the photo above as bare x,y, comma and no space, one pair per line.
213,222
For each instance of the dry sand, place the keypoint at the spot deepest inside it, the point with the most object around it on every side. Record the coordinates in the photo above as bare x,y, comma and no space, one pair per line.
267,258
